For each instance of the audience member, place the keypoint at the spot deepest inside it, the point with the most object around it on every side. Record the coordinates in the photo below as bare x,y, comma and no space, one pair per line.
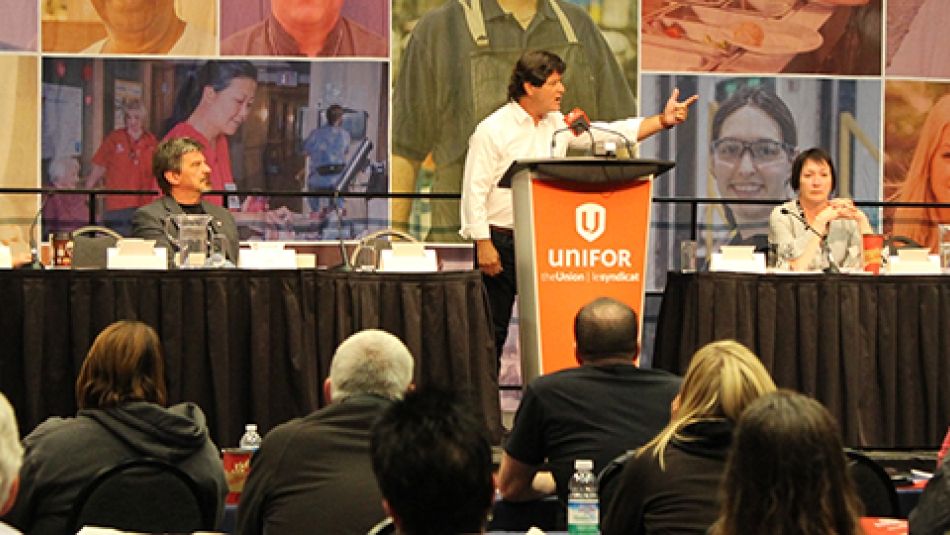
932,513
787,472
314,474
11,457
596,411
183,175
432,459
665,487
121,395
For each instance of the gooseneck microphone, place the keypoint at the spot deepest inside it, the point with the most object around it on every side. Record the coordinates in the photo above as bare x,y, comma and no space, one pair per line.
825,250
34,246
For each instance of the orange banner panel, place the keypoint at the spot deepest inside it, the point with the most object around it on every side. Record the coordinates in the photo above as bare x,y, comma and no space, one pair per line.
588,244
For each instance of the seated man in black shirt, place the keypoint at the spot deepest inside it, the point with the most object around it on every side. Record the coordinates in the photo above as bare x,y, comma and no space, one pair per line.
184,176
597,411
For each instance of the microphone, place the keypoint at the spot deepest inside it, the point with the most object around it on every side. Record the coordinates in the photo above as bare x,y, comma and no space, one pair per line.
34,247
832,265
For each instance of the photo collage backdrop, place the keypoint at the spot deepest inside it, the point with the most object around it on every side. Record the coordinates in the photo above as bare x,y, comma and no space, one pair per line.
84,105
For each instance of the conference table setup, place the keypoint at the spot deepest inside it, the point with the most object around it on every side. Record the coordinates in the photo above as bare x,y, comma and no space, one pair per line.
871,348
245,345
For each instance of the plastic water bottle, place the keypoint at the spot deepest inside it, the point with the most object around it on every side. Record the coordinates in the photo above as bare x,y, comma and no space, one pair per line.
583,507
250,440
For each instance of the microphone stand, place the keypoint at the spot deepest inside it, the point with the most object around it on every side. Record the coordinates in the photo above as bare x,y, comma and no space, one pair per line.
825,250
34,246
626,140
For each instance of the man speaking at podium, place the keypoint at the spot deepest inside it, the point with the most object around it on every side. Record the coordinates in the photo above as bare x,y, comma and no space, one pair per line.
530,125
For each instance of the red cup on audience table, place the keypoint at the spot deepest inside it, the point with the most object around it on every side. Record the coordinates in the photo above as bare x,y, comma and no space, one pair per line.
237,464
873,251
61,249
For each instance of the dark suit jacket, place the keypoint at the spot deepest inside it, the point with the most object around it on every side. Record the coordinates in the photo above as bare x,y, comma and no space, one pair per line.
149,223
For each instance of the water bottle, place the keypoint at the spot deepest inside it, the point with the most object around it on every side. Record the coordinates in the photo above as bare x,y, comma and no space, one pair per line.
583,507
250,440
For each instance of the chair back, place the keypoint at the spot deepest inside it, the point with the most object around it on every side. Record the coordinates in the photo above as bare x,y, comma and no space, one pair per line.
607,480
143,495
90,244
873,486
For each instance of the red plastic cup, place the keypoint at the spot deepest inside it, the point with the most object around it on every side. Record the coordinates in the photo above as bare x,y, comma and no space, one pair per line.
873,249
237,464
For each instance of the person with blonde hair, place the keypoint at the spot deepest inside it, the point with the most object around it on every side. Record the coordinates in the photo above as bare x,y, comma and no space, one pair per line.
666,486
787,472
927,180
122,415
11,457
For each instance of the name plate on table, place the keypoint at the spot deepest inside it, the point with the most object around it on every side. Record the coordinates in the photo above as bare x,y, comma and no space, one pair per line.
408,257
136,253
267,255
6,257
914,261
738,259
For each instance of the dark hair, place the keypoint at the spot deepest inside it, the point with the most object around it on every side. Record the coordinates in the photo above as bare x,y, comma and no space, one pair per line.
215,74
765,100
432,460
167,157
606,328
787,472
813,154
334,113
124,364
533,67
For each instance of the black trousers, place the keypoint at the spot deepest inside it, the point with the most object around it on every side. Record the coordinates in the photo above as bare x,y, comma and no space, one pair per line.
502,288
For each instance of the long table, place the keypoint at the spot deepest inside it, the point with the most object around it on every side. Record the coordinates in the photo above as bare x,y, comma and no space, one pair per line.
874,350
247,346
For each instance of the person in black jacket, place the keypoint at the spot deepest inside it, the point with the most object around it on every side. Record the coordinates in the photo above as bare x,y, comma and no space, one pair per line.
121,396
668,485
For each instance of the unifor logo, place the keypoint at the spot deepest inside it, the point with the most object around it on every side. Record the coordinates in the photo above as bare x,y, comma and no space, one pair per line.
590,220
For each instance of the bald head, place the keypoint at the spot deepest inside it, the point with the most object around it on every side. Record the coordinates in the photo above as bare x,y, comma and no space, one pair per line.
606,329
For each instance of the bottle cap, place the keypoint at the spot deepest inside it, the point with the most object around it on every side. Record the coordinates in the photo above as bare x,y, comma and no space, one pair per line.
583,464
250,427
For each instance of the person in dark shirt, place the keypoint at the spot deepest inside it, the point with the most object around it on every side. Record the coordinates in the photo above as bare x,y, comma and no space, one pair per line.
597,411
313,474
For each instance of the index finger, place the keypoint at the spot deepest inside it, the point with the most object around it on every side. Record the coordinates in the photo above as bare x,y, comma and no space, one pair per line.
691,100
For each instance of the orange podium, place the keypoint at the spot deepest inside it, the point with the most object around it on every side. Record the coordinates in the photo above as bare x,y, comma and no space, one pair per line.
581,232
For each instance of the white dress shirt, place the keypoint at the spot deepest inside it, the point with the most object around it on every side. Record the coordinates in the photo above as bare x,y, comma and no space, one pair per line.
509,134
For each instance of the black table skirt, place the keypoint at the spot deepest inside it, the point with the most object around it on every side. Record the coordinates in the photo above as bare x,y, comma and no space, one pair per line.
874,350
247,346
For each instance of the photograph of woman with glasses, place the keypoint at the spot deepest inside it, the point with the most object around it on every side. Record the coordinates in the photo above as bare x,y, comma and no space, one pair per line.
753,144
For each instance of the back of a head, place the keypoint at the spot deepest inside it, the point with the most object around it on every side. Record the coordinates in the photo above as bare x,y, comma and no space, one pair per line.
371,362
432,460
124,364
787,471
722,379
606,328
11,451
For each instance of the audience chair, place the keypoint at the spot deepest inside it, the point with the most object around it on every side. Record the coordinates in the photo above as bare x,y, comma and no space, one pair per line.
384,527
607,481
90,244
143,495
874,486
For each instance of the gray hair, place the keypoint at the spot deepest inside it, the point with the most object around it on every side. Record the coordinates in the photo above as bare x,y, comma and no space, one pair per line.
370,362
11,452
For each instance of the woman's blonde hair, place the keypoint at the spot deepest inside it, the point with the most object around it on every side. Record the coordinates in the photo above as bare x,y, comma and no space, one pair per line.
919,224
722,379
